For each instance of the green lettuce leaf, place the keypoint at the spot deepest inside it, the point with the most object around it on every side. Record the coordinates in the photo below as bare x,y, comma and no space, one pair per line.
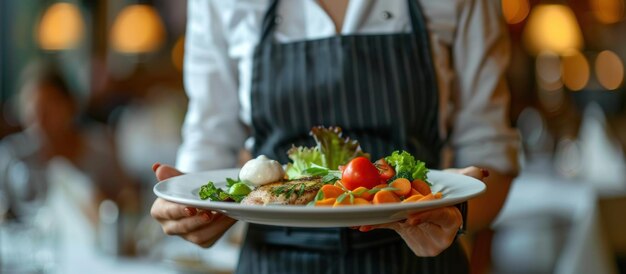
213,193
406,166
334,148
302,159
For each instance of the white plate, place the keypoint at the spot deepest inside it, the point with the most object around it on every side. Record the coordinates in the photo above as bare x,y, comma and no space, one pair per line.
184,190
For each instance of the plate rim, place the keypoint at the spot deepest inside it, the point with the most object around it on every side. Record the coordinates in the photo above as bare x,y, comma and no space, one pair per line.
226,206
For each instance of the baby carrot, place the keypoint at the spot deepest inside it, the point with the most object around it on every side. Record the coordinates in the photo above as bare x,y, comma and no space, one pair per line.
385,196
403,186
413,198
361,201
428,197
344,202
381,186
331,191
421,186
363,192
438,195
325,202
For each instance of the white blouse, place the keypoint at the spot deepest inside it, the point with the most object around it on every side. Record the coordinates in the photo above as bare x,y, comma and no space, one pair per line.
469,43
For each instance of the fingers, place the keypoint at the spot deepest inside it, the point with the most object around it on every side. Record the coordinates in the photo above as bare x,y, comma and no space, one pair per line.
472,171
207,235
163,210
392,225
186,225
447,217
163,172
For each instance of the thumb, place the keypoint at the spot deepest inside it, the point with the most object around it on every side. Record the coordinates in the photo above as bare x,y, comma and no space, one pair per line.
163,172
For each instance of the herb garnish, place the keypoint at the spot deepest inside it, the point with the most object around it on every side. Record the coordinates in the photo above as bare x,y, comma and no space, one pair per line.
236,191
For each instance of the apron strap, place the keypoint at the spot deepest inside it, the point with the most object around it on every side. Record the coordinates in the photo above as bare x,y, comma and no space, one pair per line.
269,21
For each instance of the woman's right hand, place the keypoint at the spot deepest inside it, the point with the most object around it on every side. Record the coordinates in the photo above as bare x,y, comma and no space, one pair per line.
200,227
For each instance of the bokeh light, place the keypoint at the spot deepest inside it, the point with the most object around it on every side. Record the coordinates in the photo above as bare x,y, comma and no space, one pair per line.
575,70
178,53
552,101
61,27
515,11
137,29
554,28
609,70
548,69
608,11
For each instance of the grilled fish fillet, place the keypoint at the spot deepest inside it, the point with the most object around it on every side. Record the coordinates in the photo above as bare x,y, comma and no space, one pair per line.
292,192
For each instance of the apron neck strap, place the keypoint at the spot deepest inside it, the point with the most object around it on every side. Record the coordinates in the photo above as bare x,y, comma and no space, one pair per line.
270,20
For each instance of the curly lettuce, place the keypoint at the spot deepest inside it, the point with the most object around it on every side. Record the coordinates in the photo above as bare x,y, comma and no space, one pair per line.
335,149
406,166
331,151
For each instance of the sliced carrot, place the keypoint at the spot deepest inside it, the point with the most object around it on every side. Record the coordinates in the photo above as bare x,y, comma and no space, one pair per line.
344,202
438,195
421,186
331,191
363,193
325,202
361,201
403,185
381,186
385,196
428,197
413,198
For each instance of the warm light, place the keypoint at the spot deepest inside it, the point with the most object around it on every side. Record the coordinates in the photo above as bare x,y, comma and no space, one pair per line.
178,53
575,69
608,11
552,101
553,28
548,70
609,70
515,11
137,29
61,27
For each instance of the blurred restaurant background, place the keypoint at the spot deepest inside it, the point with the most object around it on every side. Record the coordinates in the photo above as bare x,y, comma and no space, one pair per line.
81,204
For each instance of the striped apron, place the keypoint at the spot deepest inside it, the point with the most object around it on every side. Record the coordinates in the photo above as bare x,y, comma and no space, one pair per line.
381,89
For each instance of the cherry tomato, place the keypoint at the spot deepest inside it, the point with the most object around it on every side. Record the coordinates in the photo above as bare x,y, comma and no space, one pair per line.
360,172
385,169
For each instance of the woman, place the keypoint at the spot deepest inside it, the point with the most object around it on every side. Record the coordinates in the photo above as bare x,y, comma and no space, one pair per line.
50,116
378,70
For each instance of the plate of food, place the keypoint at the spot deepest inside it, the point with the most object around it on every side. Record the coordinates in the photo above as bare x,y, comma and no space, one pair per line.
333,184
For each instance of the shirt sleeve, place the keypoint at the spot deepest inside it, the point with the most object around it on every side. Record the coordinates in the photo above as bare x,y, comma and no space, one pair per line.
481,132
212,131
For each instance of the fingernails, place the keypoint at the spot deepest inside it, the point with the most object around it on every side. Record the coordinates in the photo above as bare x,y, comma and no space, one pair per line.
190,211
485,172
207,216
155,166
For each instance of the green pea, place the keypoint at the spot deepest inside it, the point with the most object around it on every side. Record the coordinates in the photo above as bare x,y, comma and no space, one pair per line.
239,189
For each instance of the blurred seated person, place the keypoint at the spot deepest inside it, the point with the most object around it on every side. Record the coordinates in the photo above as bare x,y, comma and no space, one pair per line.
49,115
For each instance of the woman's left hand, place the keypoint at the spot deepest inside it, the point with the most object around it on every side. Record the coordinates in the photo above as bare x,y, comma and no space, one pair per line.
429,233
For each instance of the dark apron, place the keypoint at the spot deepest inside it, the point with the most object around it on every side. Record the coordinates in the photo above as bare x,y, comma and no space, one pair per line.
381,89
